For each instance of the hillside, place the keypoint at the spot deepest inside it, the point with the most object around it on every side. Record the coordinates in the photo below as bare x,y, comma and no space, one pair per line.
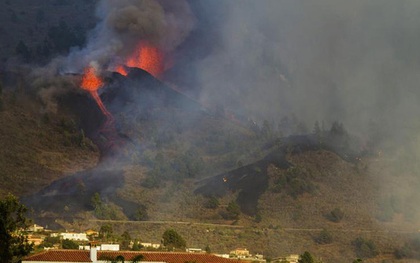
173,160
36,149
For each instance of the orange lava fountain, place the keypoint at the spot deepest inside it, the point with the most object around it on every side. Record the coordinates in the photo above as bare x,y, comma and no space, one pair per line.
92,83
146,57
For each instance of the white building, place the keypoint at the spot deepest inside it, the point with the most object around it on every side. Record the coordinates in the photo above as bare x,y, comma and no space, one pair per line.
194,250
35,228
150,245
293,258
74,236
103,247
240,253
110,247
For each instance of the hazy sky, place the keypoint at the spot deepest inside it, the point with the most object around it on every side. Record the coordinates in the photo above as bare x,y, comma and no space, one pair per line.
351,61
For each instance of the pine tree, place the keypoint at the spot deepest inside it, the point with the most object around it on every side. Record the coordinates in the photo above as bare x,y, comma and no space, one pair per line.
172,240
13,243
306,258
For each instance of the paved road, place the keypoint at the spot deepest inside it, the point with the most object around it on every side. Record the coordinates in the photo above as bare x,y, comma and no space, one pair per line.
289,229
164,222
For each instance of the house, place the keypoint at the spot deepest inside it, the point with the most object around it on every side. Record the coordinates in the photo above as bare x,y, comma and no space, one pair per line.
240,253
109,247
74,236
150,245
255,258
35,228
92,233
35,239
293,258
95,256
194,250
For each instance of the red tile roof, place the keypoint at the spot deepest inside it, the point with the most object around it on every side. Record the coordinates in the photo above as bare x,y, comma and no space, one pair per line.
59,255
170,257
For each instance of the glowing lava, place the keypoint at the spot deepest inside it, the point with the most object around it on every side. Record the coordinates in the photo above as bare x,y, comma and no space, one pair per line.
92,83
146,57
121,69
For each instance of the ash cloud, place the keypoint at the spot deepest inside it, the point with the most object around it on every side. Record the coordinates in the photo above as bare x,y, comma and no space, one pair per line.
123,24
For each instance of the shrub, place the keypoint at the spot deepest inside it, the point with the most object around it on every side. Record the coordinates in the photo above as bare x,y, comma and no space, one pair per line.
171,240
212,203
69,244
208,249
258,218
106,232
324,237
306,258
234,210
151,181
136,246
365,248
125,240
299,186
411,249
141,214
50,241
137,258
119,258
102,210
336,215
295,181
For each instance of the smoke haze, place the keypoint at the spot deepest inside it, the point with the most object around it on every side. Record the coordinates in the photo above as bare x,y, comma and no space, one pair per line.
354,62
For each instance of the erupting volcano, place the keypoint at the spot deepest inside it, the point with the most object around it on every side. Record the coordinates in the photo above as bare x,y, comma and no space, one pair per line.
146,57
